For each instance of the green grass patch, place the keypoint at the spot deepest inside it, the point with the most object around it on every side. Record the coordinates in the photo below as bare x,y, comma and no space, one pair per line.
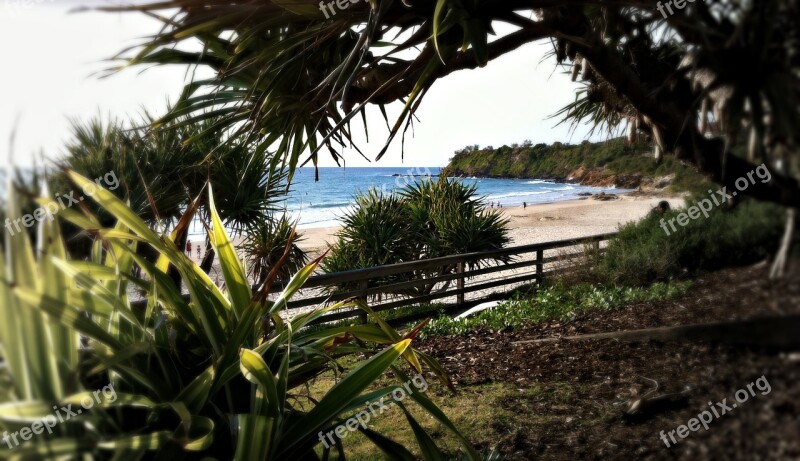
488,414
557,302
412,311
416,310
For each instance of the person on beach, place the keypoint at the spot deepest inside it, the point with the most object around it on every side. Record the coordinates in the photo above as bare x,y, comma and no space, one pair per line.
660,209
189,248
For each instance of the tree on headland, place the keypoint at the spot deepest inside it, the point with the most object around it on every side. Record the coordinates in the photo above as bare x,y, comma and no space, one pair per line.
700,81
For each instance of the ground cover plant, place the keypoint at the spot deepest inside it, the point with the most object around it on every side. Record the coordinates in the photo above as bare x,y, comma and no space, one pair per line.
520,399
560,302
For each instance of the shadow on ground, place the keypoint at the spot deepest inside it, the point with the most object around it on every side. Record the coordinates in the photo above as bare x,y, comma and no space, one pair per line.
567,400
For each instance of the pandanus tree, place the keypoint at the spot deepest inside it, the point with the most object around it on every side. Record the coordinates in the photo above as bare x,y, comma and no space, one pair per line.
426,219
220,373
162,170
699,80
143,163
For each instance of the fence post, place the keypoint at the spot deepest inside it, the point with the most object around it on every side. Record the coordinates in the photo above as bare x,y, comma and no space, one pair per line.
540,266
362,286
460,283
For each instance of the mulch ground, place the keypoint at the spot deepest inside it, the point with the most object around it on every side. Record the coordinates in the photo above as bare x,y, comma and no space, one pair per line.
603,377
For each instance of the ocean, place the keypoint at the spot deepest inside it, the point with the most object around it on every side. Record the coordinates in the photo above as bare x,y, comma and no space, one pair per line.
321,204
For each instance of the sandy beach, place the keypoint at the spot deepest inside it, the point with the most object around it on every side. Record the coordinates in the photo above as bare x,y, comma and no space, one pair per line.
544,222
535,224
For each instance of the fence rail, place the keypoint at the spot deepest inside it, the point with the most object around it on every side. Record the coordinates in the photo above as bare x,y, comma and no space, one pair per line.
361,283
321,289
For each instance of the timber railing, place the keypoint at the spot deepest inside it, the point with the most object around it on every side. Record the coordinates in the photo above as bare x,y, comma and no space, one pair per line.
471,274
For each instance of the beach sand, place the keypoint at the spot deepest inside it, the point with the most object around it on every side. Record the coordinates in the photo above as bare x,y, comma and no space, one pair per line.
544,222
540,223
535,224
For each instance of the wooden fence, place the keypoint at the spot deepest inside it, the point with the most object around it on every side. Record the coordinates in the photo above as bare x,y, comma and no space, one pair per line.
466,275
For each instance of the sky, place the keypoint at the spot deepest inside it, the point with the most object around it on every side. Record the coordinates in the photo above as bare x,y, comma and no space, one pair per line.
53,57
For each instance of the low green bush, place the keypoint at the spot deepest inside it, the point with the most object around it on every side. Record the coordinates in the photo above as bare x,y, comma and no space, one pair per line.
643,253
265,244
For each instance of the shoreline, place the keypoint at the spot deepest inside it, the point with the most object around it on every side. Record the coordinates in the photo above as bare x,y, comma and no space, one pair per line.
538,223
542,222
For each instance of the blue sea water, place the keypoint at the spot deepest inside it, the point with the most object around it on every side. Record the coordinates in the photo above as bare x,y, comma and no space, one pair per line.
320,204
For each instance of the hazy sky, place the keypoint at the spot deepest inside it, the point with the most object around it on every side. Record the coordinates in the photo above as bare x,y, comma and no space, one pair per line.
51,55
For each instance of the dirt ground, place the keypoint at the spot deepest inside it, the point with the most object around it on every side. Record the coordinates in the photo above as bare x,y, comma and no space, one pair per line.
584,387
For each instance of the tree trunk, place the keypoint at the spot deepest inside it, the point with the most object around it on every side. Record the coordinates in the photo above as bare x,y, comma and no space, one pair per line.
668,115
781,265
172,272
208,259
703,128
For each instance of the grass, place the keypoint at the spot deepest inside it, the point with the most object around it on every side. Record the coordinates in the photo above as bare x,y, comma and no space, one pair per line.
492,415
416,310
557,302
489,414
496,414
393,419
412,311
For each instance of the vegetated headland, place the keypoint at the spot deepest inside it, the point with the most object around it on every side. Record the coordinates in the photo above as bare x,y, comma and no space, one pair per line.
608,163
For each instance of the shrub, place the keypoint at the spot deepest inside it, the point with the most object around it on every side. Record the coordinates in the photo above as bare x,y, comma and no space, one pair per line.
643,252
265,244
161,174
428,219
